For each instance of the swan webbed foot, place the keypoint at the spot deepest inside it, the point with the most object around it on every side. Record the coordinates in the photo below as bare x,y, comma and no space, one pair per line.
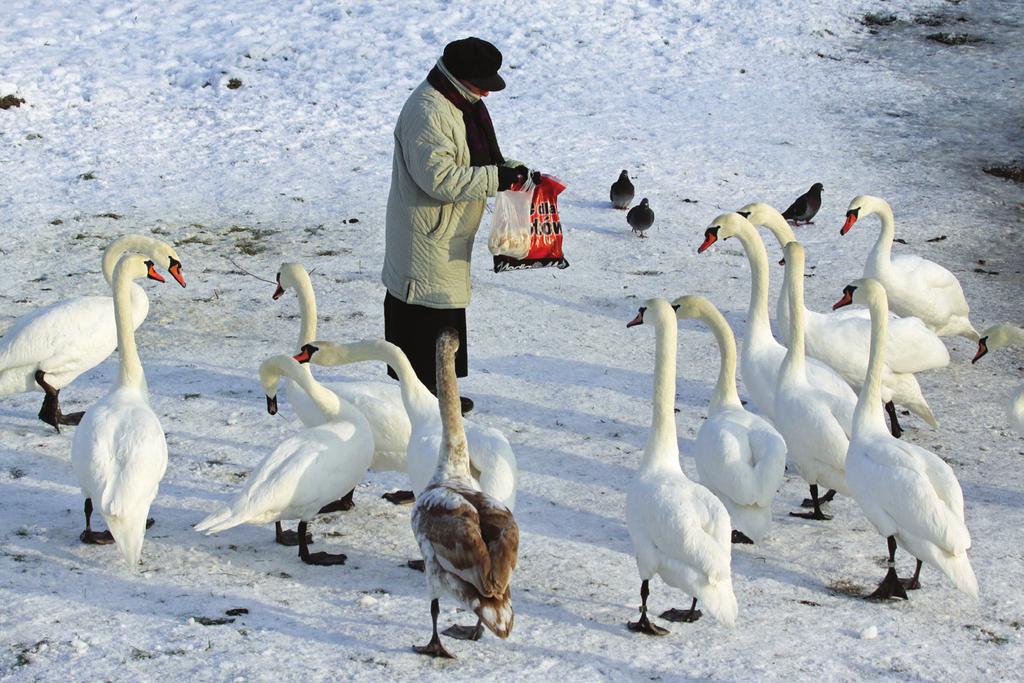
90,537
465,632
682,615
417,565
289,537
740,537
814,514
644,625
434,649
891,587
322,559
343,504
399,497
827,498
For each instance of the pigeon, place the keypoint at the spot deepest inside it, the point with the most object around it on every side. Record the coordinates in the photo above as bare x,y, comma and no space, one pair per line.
805,206
640,218
622,191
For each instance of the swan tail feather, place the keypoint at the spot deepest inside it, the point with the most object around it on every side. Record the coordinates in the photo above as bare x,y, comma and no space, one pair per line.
496,613
220,520
128,533
720,601
958,569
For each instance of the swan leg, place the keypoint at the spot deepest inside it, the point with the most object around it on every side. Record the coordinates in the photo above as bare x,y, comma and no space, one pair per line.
740,537
689,616
816,503
288,537
93,537
418,565
894,422
49,412
913,583
827,498
399,497
435,648
644,625
321,559
465,632
890,586
343,504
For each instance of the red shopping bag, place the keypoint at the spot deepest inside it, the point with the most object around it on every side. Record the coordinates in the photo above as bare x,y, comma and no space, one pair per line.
545,231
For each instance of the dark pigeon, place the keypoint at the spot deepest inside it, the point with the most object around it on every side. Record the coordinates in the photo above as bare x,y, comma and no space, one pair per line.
622,191
806,205
640,218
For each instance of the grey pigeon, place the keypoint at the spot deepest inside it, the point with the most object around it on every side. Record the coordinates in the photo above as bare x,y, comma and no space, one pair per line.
622,191
805,206
640,218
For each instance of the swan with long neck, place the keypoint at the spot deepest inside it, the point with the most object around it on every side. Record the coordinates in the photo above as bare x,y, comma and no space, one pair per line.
48,348
840,338
119,452
492,461
816,423
996,337
915,286
380,402
469,540
739,456
307,471
909,494
761,355
680,530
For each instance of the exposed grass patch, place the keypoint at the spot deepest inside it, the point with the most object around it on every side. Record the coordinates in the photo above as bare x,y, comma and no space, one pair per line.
1014,172
987,635
9,101
250,247
193,239
56,221
113,216
873,19
16,472
213,621
846,587
234,83
954,38
89,175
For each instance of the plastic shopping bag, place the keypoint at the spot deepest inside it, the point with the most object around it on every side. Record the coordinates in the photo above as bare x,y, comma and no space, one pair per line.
510,226
545,231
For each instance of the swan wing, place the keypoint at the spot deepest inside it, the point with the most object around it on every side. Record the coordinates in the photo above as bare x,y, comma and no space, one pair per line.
492,456
922,274
918,491
471,535
913,347
690,525
725,459
769,452
60,336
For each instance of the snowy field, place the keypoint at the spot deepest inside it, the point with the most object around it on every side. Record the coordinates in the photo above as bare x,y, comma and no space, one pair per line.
132,122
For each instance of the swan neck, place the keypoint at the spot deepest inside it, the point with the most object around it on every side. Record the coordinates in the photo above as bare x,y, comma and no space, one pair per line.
116,249
420,404
453,460
307,309
325,400
758,323
725,395
881,253
661,445
130,373
868,414
793,282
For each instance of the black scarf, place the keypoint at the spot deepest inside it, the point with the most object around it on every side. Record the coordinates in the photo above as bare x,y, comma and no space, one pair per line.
483,145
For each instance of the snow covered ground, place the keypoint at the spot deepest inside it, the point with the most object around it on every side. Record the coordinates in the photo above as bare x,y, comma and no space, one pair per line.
131,122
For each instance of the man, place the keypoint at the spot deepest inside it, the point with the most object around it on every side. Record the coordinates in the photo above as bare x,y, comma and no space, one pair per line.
446,164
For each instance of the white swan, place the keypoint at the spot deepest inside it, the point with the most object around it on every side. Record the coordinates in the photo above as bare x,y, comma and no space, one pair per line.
119,452
740,457
761,356
492,461
380,402
469,540
996,337
680,530
910,495
815,422
840,338
915,286
307,471
46,349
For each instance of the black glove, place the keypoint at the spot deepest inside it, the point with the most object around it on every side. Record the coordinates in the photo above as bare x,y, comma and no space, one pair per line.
507,177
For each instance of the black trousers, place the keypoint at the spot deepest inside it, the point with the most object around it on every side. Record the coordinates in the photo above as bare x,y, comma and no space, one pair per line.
415,329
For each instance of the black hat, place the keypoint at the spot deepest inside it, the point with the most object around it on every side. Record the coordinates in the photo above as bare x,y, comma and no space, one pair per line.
476,61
